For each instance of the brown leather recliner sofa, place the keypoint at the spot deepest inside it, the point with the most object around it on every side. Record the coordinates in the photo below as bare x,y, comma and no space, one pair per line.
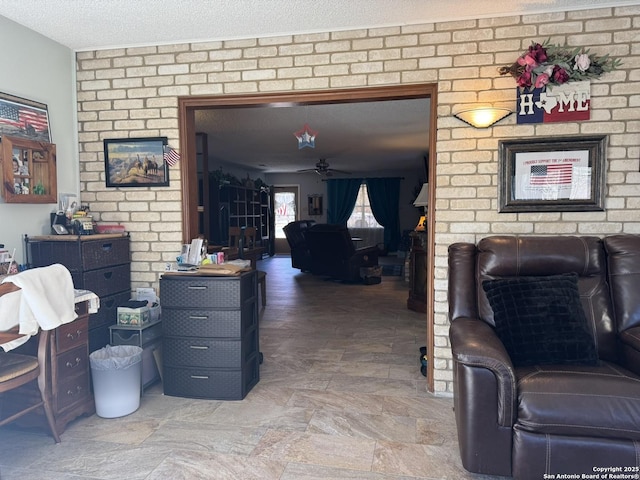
333,253
300,255
575,414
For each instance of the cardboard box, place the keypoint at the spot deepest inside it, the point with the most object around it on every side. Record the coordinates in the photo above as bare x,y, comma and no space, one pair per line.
133,316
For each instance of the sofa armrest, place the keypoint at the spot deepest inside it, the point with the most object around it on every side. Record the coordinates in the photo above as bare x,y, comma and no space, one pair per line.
631,338
475,344
366,256
630,343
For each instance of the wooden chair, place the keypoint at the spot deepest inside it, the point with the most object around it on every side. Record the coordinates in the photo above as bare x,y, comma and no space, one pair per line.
17,370
249,242
262,282
249,237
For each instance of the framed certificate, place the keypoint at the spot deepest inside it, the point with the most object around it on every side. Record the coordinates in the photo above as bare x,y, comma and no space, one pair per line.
552,174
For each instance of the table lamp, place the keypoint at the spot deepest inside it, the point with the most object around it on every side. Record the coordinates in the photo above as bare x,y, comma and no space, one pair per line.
422,200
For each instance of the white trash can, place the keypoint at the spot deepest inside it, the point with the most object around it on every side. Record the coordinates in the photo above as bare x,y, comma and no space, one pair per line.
117,379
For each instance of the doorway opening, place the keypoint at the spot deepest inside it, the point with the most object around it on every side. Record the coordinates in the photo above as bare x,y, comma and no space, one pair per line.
286,210
187,107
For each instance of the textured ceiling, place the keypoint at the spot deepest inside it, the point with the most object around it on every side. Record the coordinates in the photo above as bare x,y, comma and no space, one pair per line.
356,137
93,24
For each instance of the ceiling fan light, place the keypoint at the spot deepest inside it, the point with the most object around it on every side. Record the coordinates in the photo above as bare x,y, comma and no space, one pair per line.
482,117
323,169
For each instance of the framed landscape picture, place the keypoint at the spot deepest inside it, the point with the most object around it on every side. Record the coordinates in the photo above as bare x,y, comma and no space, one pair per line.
136,162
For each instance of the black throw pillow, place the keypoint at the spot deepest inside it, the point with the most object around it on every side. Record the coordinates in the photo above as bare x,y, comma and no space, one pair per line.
540,320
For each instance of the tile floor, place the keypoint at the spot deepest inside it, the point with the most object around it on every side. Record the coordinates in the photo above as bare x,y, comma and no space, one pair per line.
340,397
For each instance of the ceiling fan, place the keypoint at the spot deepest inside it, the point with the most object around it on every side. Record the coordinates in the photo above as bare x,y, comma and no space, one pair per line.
323,169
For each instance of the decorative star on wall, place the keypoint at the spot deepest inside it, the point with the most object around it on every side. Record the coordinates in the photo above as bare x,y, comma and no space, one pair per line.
306,137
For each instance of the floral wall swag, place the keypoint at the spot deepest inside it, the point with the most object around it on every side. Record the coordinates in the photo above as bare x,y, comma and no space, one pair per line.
549,64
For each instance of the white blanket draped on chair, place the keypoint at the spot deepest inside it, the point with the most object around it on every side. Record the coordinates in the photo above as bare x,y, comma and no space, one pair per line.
46,300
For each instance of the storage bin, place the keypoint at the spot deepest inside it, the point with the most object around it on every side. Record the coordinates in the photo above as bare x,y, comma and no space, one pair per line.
221,352
212,383
210,337
209,323
134,316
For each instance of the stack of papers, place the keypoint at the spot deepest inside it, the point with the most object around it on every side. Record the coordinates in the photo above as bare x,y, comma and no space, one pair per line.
222,268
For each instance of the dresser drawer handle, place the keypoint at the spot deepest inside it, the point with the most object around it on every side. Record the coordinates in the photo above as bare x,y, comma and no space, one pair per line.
71,393
107,275
198,347
106,246
198,317
71,336
72,365
200,377
197,287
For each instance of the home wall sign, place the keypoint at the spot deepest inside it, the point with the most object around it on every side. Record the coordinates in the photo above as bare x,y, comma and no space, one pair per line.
553,82
569,102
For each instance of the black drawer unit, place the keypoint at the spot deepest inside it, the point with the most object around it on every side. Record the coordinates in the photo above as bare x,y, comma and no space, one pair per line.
210,335
212,383
99,263
209,323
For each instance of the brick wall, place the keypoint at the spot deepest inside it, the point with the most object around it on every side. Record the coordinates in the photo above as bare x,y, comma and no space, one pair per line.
133,92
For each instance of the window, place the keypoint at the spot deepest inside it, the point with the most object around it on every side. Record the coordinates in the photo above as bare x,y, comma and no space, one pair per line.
362,217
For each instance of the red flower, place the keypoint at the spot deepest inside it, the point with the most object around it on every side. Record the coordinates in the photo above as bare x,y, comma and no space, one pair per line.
524,80
560,75
538,53
527,61
548,64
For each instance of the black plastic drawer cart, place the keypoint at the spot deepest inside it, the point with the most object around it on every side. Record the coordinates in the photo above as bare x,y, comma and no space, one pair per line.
210,335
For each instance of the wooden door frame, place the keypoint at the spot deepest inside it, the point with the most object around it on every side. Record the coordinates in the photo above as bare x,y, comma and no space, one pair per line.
186,124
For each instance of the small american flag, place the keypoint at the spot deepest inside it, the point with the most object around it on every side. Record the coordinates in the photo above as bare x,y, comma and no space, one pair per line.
171,156
551,174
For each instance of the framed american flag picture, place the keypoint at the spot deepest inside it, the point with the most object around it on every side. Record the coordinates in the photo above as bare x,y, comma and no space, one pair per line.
24,118
556,174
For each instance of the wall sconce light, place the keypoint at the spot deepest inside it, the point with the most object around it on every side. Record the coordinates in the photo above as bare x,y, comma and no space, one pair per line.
422,200
482,117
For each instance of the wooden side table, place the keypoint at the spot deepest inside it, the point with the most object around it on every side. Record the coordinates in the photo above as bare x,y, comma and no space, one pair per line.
417,300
